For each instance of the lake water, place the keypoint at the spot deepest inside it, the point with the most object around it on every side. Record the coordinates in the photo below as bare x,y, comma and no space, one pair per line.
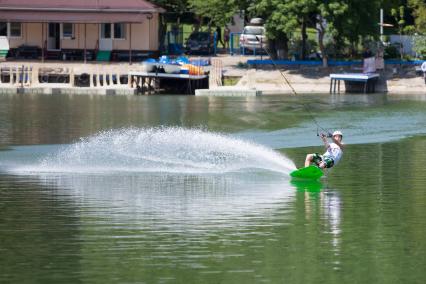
178,189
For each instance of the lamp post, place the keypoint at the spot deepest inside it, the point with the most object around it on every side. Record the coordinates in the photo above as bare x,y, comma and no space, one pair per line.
382,24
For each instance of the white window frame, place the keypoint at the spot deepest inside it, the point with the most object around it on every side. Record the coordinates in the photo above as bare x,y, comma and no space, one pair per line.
112,25
125,32
8,30
62,31
112,31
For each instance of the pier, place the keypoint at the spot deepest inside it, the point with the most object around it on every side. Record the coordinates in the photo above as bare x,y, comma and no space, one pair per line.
151,82
367,79
101,79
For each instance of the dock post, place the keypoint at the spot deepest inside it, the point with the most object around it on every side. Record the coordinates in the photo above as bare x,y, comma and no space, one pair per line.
91,78
10,76
111,78
35,76
331,85
97,79
130,80
117,74
71,76
30,76
105,82
16,76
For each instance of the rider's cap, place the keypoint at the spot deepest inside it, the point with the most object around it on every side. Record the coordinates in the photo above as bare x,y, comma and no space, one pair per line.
337,132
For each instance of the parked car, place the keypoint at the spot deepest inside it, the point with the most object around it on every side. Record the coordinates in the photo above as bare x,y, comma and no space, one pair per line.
200,42
253,37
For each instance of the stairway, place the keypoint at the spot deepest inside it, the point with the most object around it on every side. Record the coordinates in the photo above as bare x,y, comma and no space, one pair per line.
103,55
3,54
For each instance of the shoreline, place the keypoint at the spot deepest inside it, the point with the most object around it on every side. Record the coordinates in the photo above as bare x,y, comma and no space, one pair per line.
394,79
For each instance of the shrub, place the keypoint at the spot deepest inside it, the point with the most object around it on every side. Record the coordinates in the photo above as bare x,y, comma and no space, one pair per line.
419,46
295,48
391,52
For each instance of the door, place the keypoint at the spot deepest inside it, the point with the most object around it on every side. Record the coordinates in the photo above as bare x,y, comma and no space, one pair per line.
105,38
54,36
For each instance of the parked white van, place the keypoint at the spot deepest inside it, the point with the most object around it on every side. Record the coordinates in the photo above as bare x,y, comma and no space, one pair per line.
253,35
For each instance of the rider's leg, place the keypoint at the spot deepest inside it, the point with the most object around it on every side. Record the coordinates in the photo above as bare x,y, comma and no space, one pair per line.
308,160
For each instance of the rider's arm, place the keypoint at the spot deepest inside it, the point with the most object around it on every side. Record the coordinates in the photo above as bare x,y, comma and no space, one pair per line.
324,140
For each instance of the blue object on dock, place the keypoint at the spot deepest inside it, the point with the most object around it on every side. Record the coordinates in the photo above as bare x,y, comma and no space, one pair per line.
302,62
182,60
330,62
164,59
150,60
200,62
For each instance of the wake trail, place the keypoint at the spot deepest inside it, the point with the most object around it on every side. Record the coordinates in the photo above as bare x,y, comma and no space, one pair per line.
168,149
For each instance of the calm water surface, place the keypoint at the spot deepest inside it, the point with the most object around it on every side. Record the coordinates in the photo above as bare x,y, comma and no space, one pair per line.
174,189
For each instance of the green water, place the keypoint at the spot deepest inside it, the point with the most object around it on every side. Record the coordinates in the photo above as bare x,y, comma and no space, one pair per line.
364,223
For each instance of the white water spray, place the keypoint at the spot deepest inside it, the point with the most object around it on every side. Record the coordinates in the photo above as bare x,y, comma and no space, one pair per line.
172,150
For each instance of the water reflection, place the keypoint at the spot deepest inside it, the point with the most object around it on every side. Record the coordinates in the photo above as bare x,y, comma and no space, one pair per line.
321,202
167,200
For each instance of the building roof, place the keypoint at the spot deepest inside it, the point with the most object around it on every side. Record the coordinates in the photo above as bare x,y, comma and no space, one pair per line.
79,11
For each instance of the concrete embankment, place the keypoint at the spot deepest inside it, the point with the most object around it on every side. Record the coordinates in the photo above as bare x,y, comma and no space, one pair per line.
394,79
101,78
65,78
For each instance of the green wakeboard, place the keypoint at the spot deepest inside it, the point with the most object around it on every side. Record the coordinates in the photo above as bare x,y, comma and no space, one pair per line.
311,172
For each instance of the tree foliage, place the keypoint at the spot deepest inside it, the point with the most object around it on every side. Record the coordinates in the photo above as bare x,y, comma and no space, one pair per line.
419,13
218,12
420,46
342,23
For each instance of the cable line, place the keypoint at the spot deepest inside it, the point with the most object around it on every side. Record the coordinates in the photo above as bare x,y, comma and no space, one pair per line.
295,93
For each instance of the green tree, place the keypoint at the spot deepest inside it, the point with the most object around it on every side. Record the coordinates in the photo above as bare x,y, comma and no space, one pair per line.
175,10
358,22
398,15
284,16
217,12
328,14
419,13
420,46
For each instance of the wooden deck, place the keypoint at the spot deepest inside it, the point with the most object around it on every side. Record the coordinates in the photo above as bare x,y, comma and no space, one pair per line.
147,82
368,79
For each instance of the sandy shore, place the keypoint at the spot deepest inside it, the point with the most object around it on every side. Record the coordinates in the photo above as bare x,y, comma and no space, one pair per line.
394,79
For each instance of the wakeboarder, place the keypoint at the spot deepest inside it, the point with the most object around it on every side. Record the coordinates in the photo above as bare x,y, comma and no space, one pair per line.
333,154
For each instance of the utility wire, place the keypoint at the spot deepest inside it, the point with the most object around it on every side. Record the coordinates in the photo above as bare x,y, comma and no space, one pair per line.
294,92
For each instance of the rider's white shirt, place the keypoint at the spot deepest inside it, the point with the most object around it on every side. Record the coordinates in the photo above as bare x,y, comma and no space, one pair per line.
334,152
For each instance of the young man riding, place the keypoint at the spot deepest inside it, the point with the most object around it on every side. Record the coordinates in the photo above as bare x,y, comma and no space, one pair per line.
333,154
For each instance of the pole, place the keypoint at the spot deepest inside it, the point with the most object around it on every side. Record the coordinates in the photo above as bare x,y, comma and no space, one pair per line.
130,43
85,46
381,25
42,42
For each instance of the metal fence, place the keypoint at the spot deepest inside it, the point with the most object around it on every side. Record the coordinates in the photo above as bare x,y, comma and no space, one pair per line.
235,47
175,42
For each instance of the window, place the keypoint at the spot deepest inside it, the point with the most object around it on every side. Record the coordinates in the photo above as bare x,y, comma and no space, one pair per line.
67,30
3,29
120,31
251,30
106,31
11,29
15,30
116,31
